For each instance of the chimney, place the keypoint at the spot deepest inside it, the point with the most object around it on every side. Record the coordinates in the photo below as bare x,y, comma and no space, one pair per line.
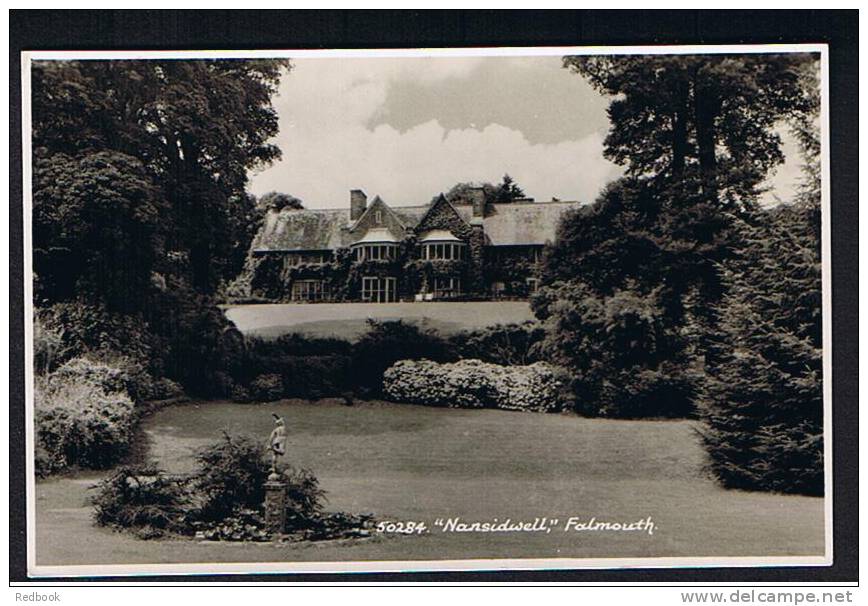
358,204
477,199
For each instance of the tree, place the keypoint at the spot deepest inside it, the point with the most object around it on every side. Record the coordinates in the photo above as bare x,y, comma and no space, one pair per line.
709,118
508,190
140,207
504,192
278,201
96,228
762,400
196,126
697,134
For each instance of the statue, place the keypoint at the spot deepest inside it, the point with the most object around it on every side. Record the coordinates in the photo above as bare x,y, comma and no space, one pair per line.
276,444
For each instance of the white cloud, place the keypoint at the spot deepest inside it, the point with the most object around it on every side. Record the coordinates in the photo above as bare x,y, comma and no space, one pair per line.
325,104
325,108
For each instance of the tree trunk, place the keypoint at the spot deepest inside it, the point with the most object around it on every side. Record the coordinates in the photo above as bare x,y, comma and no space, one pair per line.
706,107
679,136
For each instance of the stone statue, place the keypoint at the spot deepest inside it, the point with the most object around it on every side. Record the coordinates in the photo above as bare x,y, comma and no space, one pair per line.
276,444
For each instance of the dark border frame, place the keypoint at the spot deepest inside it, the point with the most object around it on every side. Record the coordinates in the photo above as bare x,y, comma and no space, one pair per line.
186,29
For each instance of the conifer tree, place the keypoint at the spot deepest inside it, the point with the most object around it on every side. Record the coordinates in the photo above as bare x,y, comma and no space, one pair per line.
762,398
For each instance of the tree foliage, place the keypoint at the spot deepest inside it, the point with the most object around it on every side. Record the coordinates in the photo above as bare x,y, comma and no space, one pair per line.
502,193
277,201
698,135
706,117
139,202
96,228
196,127
762,400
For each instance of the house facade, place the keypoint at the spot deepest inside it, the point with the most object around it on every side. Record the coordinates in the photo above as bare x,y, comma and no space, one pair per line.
376,252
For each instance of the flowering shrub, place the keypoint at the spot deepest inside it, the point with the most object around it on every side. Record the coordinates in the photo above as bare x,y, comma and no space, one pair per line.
473,384
83,416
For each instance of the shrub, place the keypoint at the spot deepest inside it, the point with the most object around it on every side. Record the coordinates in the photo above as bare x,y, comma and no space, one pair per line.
48,346
507,344
314,376
388,342
110,373
305,498
83,416
240,525
92,329
267,387
622,358
473,384
166,389
142,499
231,475
229,487
309,368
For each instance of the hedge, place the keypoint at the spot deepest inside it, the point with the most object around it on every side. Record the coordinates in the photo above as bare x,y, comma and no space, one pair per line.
473,384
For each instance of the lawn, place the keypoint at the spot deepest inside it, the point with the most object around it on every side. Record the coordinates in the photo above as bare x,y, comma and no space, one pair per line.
405,463
349,320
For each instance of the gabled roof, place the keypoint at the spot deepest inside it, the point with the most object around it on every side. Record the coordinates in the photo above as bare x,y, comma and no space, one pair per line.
515,224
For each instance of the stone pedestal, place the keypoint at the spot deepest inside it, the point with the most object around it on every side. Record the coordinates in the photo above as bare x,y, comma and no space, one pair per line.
275,505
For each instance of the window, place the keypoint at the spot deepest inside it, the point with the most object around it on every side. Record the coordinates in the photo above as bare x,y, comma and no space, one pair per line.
449,251
375,252
309,290
379,290
532,285
445,288
378,217
304,258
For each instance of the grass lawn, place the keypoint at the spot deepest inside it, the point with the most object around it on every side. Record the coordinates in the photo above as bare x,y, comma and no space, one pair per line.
404,462
349,320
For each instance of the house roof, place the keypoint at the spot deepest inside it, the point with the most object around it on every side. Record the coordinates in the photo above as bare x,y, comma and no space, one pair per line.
439,235
517,223
289,230
524,223
377,235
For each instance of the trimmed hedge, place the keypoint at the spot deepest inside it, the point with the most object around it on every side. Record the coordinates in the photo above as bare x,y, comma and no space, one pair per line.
474,384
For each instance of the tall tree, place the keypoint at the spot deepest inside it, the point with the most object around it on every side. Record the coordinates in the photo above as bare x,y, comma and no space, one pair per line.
196,126
762,399
140,207
711,118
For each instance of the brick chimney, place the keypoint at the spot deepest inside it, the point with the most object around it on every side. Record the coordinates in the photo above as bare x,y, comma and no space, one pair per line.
358,204
477,199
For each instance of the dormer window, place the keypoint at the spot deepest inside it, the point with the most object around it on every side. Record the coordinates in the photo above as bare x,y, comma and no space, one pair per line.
440,244
378,217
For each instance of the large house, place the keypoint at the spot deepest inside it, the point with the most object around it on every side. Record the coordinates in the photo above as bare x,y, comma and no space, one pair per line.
380,253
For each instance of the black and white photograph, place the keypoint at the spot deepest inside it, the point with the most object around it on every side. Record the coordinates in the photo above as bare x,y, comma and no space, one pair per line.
442,309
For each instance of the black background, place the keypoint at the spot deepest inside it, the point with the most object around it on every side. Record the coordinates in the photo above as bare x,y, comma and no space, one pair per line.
176,30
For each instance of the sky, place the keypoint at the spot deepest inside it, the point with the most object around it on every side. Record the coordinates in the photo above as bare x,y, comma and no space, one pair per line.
407,129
